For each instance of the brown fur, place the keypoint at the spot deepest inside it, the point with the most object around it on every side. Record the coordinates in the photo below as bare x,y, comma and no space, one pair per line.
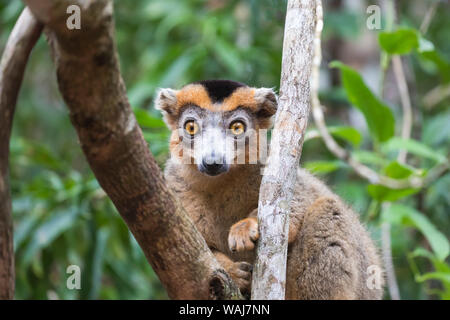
329,250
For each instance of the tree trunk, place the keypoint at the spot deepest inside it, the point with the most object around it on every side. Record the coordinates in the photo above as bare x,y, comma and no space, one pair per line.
277,186
90,82
12,67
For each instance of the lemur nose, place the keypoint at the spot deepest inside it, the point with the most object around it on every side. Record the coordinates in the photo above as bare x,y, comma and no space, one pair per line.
212,166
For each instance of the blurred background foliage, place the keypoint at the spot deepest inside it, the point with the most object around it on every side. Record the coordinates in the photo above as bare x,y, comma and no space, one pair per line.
62,217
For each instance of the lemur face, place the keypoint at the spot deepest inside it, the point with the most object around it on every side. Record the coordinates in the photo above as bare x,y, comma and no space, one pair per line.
216,123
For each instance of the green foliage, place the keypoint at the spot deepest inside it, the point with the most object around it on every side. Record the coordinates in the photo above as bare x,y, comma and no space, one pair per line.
397,171
412,146
442,272
401,41
408,216
323,167
349,134
378,116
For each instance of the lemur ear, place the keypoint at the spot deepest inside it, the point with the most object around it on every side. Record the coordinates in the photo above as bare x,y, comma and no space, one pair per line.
267,104
166,101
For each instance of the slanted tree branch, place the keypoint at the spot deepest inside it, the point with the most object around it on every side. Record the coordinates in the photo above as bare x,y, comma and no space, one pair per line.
280,174
14,59
90,82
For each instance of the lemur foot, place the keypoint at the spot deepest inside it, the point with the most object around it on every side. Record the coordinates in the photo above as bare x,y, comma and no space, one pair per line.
243,234
241,273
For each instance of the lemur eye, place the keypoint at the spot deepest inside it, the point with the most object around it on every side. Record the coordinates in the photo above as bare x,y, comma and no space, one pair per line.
191,127
237,128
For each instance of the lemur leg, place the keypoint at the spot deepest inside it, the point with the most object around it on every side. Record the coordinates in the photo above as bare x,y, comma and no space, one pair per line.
244,233
328,267
240,272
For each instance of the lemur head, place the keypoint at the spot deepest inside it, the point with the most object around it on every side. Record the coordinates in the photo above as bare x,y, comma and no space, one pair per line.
213,122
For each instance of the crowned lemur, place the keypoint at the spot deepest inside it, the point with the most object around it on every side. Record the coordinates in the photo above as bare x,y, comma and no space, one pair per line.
330,254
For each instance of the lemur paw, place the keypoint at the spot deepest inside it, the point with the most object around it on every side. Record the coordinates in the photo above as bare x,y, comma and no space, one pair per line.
243,235
241,273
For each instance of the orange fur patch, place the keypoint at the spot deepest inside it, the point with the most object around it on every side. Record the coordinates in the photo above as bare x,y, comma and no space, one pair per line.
194,94
241,97
197,95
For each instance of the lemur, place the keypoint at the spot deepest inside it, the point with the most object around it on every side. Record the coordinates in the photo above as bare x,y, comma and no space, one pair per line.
330,254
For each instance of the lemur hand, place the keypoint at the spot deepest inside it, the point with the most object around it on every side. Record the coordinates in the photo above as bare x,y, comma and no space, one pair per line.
241,273
243,234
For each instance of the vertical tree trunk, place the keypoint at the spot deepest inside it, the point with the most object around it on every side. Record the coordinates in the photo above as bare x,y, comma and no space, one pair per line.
14,59
269,275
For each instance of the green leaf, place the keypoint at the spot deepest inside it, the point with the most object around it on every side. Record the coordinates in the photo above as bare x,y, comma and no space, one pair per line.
401,41
436,130
412,146
145,119
348,134
379,117
440,266
404,215
49,231
443,276
398,170
393,170
428,52
368,157
324,166
382,193
94,264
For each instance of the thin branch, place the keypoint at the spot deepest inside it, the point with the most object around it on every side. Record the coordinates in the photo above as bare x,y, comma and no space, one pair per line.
387,259
277,186
428,17
405,102
436,95
14,60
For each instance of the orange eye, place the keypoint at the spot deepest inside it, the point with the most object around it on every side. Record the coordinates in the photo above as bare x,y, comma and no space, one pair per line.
191,127
237,128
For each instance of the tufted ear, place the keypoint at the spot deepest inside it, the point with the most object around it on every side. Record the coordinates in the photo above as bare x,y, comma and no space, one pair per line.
166,101
267,105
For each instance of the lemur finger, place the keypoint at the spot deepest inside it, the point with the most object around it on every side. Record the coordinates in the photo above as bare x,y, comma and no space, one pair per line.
232,243
249,245
240,246
254,234
242,274
245,266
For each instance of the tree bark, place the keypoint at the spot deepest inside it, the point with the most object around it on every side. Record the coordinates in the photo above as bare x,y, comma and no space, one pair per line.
12,67
277,186
90,82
